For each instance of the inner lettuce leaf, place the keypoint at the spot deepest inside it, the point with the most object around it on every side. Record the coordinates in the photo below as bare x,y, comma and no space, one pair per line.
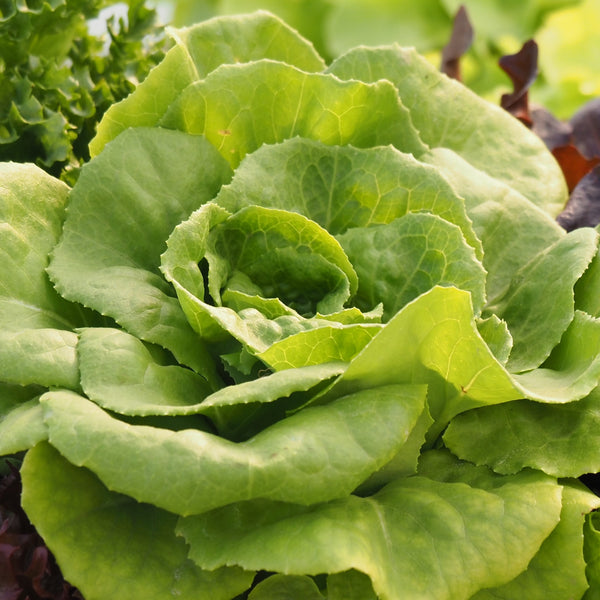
121,211
315,455
342,187
197,51
278,240
427,535
279,254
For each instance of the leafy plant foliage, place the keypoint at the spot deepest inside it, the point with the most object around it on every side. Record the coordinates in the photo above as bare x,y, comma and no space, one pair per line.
303,331
57,77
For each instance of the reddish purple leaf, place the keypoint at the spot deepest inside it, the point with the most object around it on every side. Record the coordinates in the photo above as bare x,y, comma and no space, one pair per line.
522,68
583,207
460,41
553,131
586,128
574,165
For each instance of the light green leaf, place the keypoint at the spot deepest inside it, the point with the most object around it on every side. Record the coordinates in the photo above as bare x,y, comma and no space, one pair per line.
198,50
539,302
21,424
416,538
448,115
240,107
257,331
557,571
341,187
512,229
286,587
562,440
496,335
279,254
43,356
110,546
36,341
399,261
332,343
122,209
120,373
316,454
591,552
447,353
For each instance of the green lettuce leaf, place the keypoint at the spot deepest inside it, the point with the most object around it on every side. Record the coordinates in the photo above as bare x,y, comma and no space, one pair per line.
485,135
255,321
286,587
242,106
21,418
428,538
314,455
447,353
341,187
198,50
399,261
109,545
557,571
121,211
37,344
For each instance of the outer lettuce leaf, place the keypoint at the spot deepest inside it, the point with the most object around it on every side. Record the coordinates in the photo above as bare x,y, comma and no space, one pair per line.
199,50
121,374
548,279
557,571
447,353
240,107
485,135
341,187
316,454
121,211
418,537
21,419
37,344
349,585
512,230
591,551
110,546
560,439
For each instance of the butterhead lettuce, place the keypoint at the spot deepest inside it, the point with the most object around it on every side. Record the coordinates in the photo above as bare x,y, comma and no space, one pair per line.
302,331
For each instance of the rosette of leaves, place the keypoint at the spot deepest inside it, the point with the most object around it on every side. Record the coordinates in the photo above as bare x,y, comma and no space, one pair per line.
306,331
57,77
